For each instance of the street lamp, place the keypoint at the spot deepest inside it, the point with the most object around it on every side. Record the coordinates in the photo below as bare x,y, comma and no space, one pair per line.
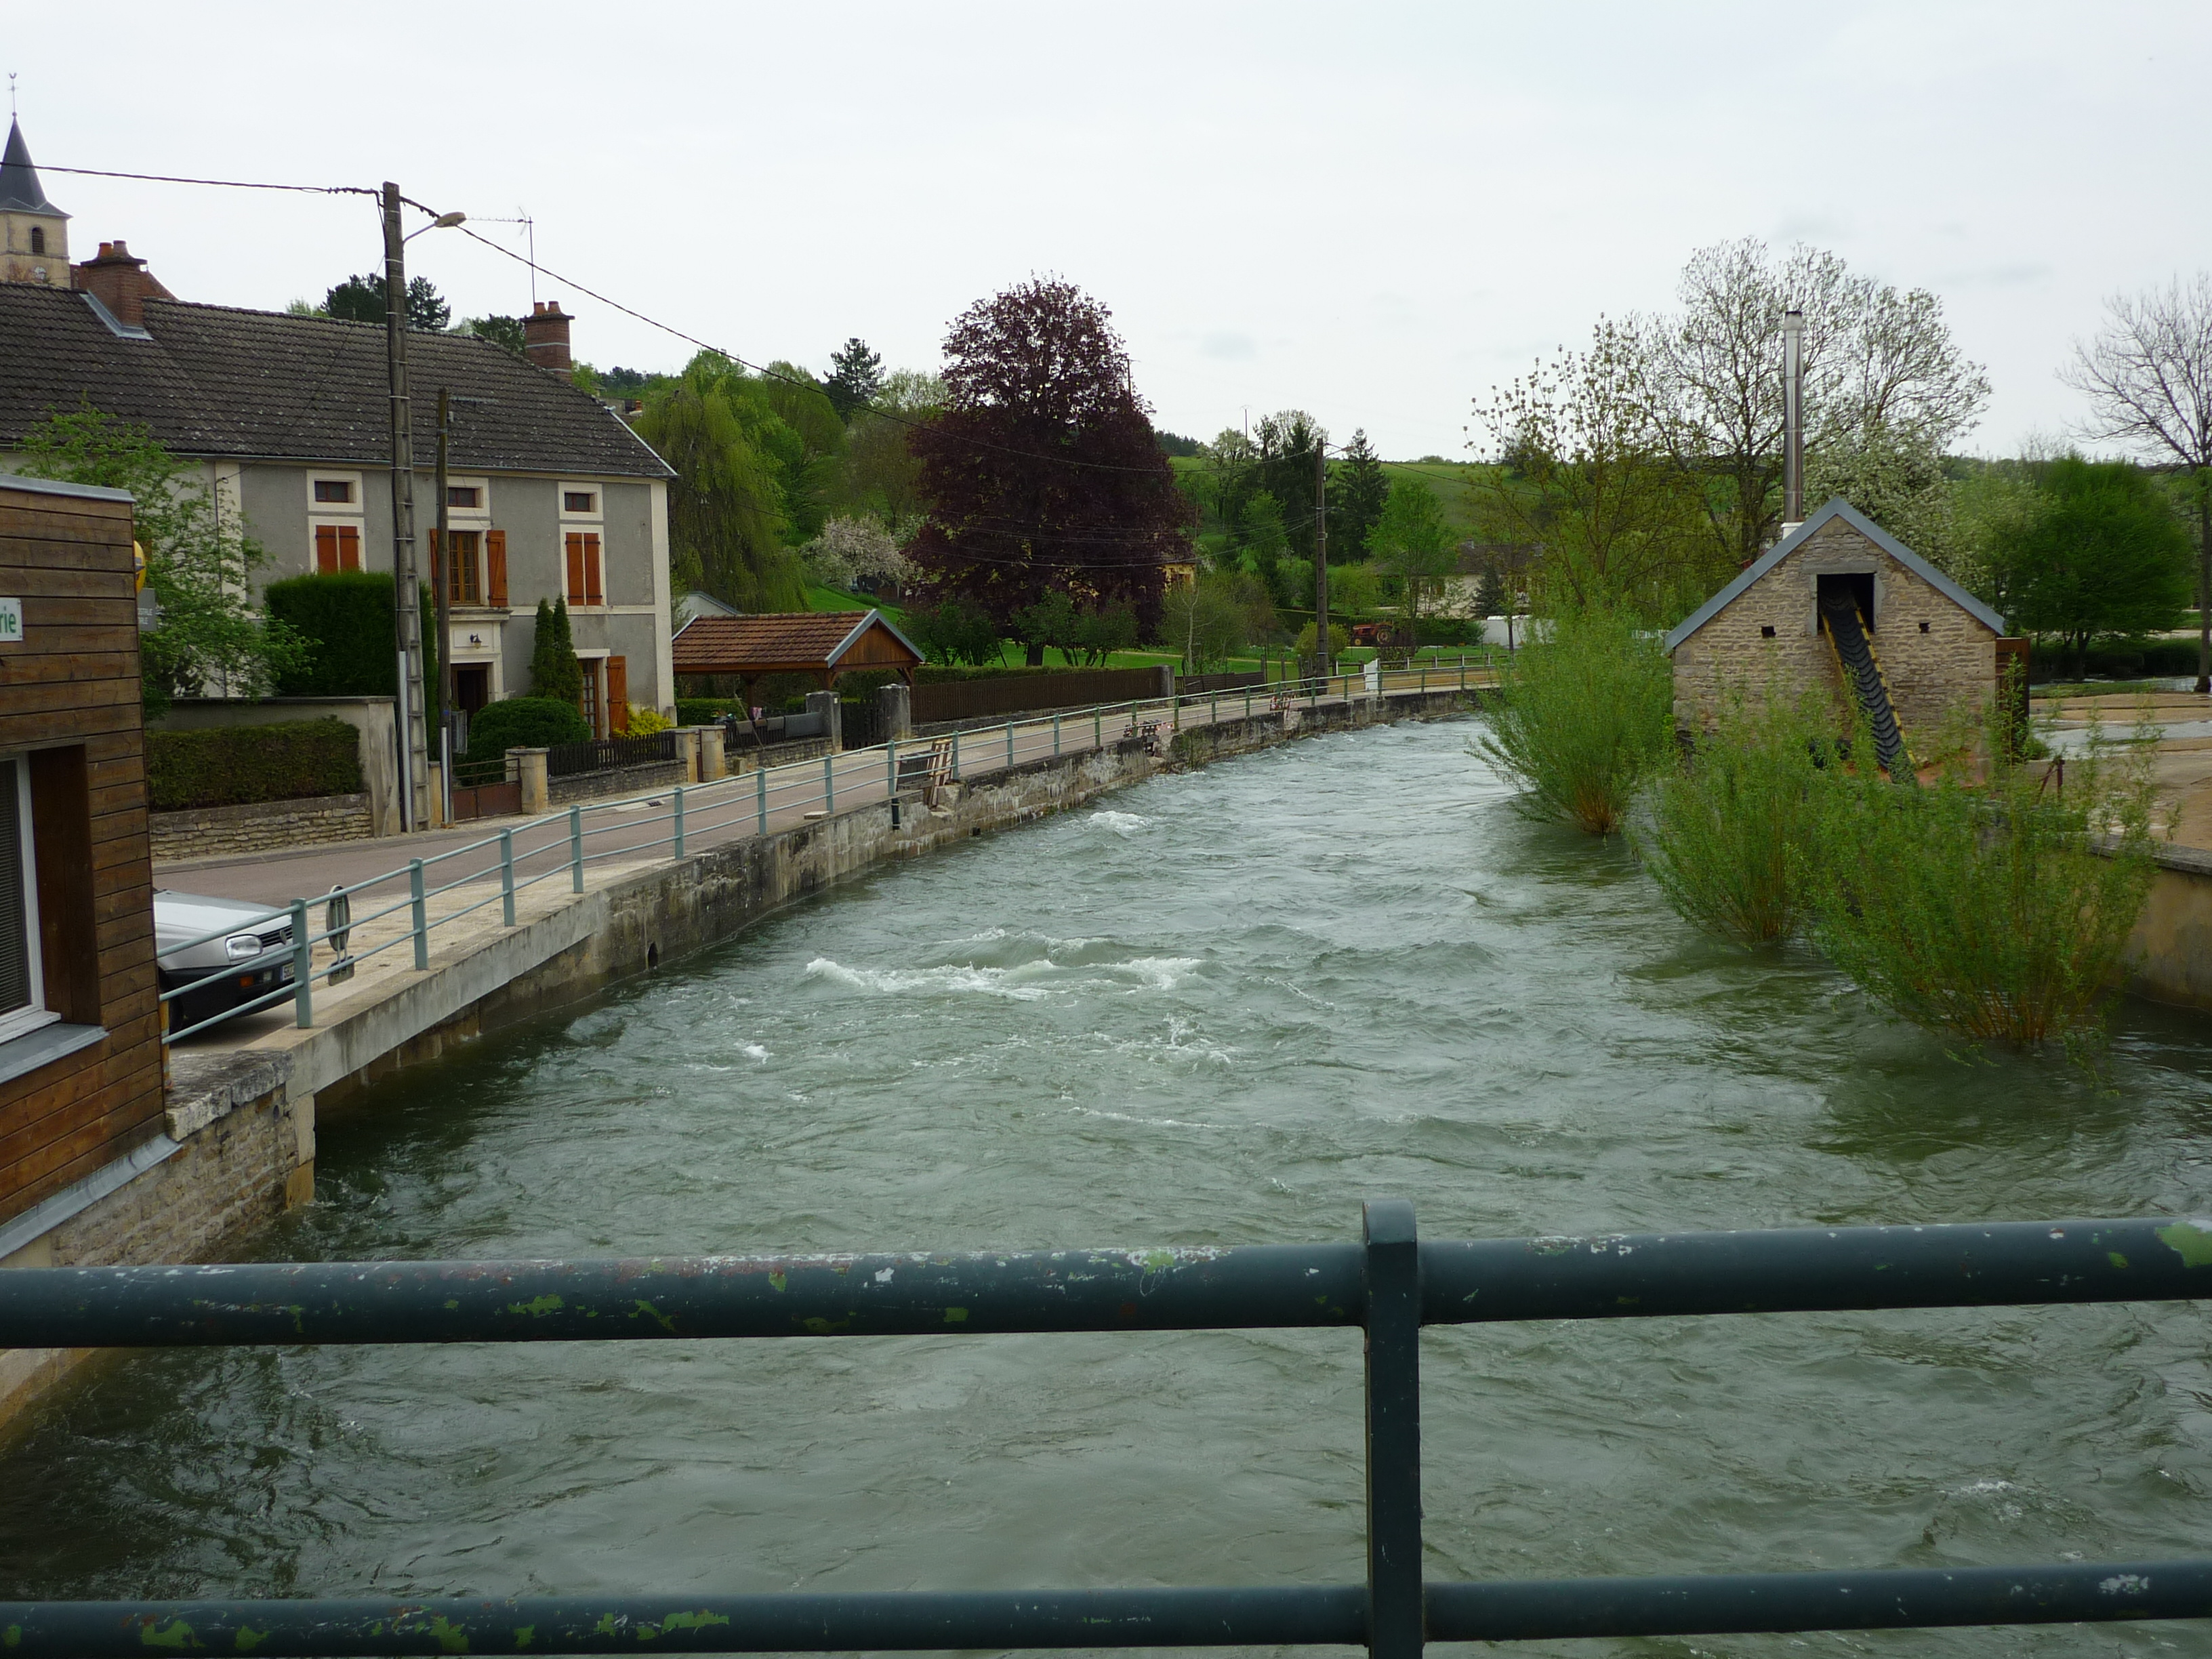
406,597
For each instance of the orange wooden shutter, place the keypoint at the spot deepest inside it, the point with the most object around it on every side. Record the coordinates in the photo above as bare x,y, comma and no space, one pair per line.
326,549
591,594
348,547
576,568
618,693
496,567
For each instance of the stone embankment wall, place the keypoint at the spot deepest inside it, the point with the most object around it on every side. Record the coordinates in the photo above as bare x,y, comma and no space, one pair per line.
240,1146
2170,958
211,832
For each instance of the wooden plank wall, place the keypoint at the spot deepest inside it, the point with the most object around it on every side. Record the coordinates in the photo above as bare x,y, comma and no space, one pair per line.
70,693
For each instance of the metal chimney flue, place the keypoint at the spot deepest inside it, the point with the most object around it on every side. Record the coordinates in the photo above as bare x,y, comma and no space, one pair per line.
1793,420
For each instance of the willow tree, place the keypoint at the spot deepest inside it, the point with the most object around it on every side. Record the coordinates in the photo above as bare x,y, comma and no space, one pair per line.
725,507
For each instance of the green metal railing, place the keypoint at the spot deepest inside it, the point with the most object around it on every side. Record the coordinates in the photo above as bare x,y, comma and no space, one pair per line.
1388,1286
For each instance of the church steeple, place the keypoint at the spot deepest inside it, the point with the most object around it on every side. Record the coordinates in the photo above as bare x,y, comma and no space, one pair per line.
33,232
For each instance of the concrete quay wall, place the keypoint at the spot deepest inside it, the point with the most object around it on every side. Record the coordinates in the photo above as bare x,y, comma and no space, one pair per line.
240,1145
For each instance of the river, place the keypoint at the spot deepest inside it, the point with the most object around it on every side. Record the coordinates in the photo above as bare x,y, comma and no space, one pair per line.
1220,1007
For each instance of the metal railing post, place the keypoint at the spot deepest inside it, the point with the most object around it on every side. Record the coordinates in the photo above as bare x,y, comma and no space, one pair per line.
890,768
422,916
956,755
760,795
303,968
679,820
506,877
829,784
576,848
1010,745
1213,710
1097,728
1395,1614
1055,734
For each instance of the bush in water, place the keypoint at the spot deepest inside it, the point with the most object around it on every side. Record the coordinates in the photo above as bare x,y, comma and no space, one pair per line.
1986,910
1726,835
1587,714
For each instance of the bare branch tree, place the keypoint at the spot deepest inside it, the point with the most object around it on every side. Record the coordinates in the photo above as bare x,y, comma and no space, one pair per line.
2147,376
1876,360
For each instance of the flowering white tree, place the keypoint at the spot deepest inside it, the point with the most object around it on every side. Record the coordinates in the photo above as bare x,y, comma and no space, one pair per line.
856,548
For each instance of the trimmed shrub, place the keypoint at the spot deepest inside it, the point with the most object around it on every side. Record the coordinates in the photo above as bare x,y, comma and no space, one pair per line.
523,723
555,673
233,765
707,711
1587,714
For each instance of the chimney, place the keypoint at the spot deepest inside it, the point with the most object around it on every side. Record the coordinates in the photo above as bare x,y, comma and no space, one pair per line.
545,337
120,282
1793,420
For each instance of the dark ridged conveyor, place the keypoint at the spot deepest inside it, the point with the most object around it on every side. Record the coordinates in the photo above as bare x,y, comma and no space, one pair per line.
1839,615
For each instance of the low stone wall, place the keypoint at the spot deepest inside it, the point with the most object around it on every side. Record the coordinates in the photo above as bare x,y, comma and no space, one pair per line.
621,781
209,832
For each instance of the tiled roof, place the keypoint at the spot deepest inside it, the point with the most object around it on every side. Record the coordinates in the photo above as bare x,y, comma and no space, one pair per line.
793,639
221,382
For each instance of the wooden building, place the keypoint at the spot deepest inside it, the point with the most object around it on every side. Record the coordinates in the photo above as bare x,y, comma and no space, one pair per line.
81,1093
824,645
1841,604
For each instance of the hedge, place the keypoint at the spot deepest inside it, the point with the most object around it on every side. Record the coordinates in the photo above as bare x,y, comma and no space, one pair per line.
232,765
523,723
347,617
2114,660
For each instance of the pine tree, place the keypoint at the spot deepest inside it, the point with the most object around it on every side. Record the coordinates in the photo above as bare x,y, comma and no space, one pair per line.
554,670
1357,490
856,374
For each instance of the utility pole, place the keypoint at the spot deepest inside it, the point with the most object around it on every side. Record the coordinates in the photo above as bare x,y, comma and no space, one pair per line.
1793,420
407,610
441,583
1321,554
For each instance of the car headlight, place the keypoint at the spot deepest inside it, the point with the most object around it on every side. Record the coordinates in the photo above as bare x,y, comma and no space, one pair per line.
242,946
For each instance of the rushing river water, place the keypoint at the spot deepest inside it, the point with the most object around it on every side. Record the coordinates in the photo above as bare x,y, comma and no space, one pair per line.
1219,1008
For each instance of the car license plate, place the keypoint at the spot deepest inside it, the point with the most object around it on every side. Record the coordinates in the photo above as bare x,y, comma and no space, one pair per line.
284,975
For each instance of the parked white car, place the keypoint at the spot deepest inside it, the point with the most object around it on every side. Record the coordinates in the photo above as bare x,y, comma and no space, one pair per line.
257,949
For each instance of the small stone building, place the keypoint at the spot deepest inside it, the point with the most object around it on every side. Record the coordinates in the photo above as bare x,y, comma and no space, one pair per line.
1936,645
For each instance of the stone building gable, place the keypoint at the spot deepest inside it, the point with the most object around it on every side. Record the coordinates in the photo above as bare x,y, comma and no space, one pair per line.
1938,659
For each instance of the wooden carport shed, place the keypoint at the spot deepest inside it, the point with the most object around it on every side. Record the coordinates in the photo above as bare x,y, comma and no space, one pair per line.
824,645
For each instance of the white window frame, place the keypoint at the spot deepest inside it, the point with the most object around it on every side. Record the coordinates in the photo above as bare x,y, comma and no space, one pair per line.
598,515
354,513
22,1022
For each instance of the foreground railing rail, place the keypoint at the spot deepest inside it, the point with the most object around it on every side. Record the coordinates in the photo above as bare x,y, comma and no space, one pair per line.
1391,1284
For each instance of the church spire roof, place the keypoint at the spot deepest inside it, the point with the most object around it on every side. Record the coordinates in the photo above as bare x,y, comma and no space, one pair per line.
20,189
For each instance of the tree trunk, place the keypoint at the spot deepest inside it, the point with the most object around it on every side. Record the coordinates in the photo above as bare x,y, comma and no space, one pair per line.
1036,658
2204,581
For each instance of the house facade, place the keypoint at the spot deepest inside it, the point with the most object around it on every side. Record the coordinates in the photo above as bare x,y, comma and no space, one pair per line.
548,493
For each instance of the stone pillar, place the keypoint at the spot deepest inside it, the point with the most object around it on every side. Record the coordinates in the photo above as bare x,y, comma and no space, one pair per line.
898,704
711,763
825,703
530,768
1167,681
687,751
435,808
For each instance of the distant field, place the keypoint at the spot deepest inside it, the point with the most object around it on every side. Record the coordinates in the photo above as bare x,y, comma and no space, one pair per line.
1448,479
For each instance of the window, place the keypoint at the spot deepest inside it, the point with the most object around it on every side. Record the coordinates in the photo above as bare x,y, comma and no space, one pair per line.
461,586
37,238
23,980
578,501
584,568
462,495
1766,632
334,489
337,547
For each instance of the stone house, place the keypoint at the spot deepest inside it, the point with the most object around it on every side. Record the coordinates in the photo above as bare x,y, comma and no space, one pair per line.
1934,645
548,493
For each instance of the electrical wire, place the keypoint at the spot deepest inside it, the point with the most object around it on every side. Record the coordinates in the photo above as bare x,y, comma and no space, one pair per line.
224,184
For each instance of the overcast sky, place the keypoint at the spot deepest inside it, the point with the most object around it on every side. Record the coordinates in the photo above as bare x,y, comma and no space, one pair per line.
1372,212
